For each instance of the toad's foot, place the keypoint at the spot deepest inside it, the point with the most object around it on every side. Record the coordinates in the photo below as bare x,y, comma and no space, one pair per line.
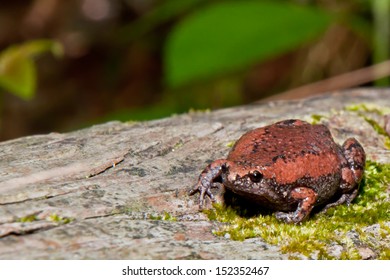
307,198
206,181
344,198
204,191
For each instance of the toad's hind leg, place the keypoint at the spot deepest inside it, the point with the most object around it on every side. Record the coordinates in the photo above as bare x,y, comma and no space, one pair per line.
306,198
352,169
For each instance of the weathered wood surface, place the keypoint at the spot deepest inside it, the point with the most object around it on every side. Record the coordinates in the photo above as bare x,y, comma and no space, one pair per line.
110,179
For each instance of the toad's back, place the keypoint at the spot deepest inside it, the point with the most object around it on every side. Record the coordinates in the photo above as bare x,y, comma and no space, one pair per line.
288,150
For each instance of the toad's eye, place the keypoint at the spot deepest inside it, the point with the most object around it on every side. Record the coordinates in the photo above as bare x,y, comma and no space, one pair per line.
256,176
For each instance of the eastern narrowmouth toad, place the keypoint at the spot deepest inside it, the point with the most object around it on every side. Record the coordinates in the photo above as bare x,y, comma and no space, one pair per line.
290,166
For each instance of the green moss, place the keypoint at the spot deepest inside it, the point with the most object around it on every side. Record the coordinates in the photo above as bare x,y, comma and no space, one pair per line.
379,129
368,108
164,217
315,119
178,145
363,109
230,144
59,219
27,219
52,218
385,254
313,237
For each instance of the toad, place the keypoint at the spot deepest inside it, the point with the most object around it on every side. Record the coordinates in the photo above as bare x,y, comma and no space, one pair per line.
289,167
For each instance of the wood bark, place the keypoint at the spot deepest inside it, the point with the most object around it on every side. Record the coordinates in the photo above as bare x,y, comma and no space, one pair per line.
95,193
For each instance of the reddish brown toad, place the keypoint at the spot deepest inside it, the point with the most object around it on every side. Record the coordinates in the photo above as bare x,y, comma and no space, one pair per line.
290,166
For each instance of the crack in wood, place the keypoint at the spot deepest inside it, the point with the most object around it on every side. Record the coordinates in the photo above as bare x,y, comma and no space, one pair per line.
26,228
105,166
14,190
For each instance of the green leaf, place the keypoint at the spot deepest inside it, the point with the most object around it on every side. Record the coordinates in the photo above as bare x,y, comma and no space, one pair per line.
229,36
18,74
17,69
36,47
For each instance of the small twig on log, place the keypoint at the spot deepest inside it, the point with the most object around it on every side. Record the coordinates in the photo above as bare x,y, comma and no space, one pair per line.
343,81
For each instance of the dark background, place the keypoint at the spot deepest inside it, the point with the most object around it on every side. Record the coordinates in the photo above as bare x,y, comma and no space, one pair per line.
114,62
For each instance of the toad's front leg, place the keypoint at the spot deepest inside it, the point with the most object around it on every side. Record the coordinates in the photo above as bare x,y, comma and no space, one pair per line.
206,181
306,199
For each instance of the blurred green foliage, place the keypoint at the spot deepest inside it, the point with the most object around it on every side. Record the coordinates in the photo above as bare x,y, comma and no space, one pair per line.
17,69
152,59
229,36
381,34
213,42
